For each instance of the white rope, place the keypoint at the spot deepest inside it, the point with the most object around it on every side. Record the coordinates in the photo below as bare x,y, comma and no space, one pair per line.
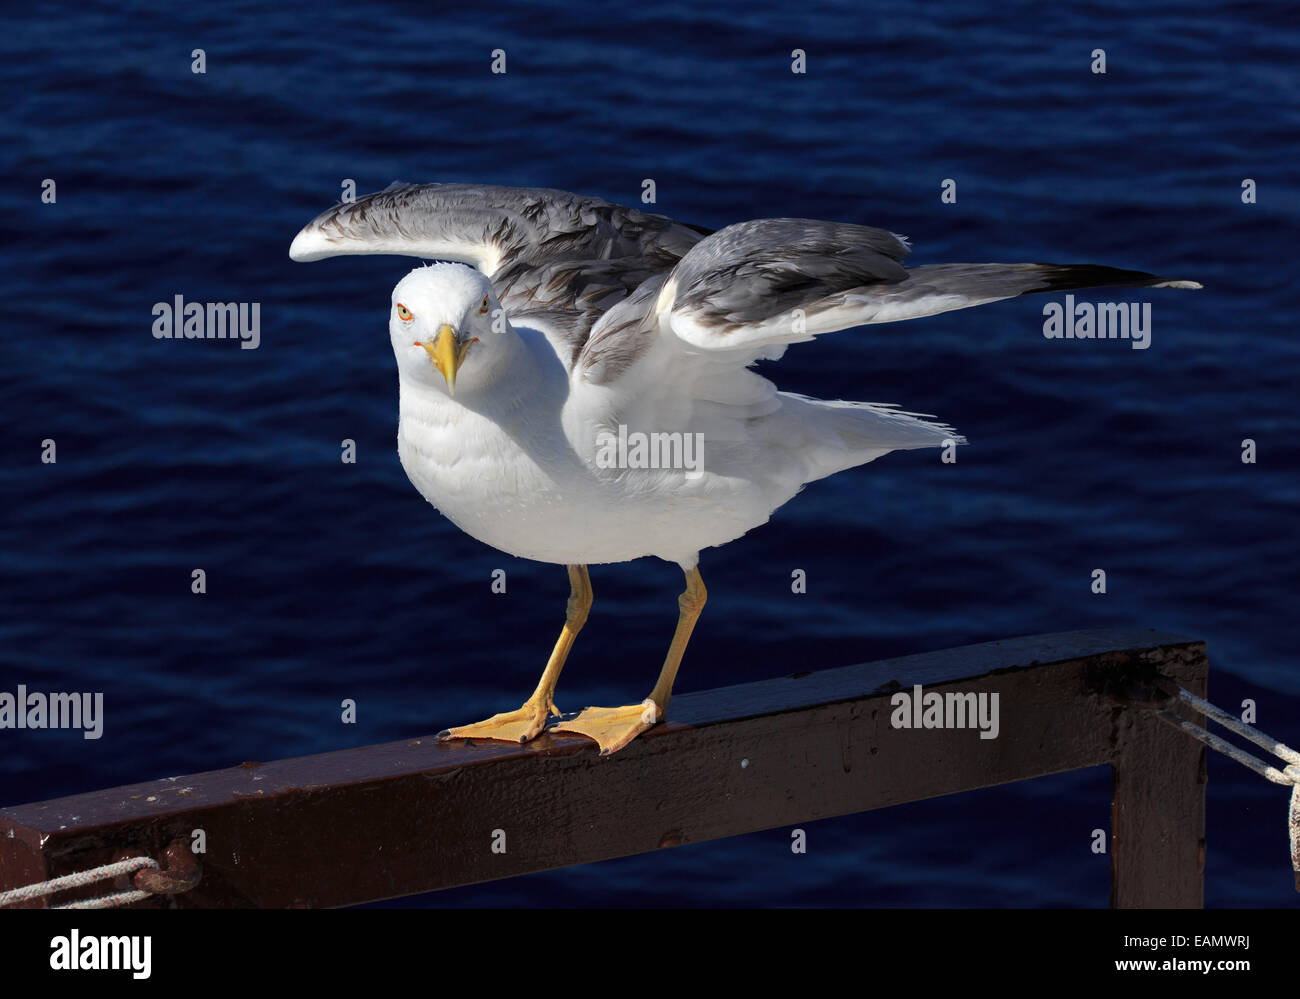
105,873
106,901
1295,833
1288,776
1278,749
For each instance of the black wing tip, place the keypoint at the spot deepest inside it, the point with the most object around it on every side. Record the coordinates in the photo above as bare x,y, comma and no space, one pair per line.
1070,277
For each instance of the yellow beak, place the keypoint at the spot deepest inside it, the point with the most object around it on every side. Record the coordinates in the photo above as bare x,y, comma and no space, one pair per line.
447,354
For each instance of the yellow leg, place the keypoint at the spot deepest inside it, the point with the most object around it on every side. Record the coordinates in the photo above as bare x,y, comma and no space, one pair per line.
524,723
614,728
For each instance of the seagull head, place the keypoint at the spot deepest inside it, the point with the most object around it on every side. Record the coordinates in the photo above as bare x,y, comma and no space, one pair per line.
446,325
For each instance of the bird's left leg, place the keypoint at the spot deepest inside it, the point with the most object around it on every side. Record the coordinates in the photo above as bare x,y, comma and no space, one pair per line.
525,722
614,728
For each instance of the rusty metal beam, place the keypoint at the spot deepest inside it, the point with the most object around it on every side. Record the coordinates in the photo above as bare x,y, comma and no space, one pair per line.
415,816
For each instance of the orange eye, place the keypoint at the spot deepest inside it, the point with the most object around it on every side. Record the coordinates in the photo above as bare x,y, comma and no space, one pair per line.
483,306
403,313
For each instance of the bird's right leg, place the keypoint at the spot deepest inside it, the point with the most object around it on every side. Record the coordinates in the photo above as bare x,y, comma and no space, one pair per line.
524,723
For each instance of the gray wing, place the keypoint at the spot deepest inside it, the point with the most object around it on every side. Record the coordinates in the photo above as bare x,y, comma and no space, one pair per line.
756,286
557,258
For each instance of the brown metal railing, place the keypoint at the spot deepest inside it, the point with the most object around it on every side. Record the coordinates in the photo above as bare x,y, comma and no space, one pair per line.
378,822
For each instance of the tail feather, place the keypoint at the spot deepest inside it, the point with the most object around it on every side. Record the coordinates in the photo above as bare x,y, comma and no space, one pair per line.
835,434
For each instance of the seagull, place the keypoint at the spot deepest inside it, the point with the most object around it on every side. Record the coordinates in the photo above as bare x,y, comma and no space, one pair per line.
576,380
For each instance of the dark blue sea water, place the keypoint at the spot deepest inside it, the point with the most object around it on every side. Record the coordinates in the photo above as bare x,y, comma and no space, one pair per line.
328,580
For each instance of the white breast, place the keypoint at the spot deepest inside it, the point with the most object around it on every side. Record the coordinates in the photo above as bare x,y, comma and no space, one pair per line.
508,473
